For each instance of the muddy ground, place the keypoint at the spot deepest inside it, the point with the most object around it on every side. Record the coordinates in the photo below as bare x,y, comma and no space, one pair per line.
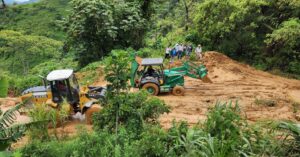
260,95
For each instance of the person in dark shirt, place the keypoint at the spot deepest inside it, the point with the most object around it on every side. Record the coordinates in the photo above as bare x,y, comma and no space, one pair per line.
150,71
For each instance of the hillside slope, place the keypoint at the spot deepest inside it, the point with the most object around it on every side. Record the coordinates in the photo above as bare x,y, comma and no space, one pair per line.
39,18
260,95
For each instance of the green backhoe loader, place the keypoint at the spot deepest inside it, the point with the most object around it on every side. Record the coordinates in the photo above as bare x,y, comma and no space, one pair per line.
149,74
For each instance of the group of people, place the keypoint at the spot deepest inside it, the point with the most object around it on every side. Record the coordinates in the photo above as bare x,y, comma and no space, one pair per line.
179,50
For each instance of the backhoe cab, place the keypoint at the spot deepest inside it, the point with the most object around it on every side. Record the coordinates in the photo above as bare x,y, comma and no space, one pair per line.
152,75
63,86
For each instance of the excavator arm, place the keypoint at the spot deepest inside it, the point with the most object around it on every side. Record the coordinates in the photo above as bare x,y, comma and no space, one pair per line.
192,70
135,63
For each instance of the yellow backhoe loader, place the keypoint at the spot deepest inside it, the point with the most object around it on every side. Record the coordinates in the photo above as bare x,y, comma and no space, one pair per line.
62,85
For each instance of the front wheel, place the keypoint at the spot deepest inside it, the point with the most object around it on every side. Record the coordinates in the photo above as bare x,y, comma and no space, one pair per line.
151,88
89,113
178,91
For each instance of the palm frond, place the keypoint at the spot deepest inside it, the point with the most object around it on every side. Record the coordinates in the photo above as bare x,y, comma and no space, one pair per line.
15,132
9,116
9,132
292,128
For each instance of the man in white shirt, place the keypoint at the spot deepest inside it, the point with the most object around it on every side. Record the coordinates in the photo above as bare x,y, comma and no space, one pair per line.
167,53
180,51
198,51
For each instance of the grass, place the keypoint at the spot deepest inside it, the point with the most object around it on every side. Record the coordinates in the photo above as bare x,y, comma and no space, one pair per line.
3,87
90,73
224,133
265,102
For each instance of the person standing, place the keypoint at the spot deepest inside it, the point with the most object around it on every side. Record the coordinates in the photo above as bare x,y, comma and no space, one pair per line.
176,48
198,51
184,50
167,53
173,54
189,50
180,51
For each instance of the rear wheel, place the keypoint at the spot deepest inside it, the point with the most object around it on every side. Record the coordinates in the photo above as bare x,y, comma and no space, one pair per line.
178,91
89,113
151,88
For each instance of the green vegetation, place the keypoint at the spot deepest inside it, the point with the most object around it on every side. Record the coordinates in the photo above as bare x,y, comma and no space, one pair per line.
96,27
39,19
20,53
48,117
3,86
10,131
263,33
212,138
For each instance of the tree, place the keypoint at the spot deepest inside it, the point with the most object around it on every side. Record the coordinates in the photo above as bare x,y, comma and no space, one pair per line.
229,26
96,27
283,46
187,5
20,53
240,29
130,110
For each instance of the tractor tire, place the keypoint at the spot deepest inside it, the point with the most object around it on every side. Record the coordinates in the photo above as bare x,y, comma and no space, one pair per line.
88,114
178,91
151,88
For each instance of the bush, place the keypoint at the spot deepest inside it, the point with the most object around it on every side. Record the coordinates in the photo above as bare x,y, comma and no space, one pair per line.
152,143
48,117
102,143
225,133
135,110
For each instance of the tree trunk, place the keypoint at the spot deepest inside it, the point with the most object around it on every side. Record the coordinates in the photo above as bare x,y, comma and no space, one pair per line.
3,4
186,15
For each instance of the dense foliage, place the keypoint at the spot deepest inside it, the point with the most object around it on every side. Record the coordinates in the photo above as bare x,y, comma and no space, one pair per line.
263,33
284,45
131,111
3,86
39,19
20,53
207,139
96,27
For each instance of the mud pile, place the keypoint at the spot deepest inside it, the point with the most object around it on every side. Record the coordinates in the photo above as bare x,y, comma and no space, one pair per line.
260,95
